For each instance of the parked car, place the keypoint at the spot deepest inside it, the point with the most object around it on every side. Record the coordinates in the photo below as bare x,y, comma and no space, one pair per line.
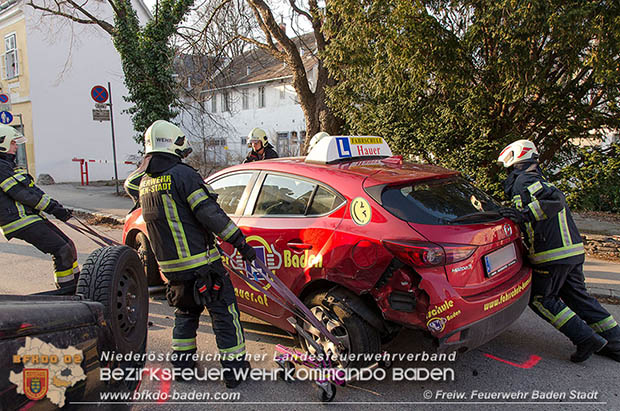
53,347
370,243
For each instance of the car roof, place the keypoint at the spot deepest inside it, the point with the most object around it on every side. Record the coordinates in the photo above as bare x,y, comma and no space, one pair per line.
375,171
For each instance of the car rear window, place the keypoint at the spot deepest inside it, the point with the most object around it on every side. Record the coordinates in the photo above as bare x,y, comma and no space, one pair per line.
439,202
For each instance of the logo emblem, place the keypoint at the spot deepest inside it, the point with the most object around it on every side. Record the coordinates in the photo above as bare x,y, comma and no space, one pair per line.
360,211
507,230
35,383
436,324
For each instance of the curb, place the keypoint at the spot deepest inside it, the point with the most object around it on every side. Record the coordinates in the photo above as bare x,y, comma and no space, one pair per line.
105,218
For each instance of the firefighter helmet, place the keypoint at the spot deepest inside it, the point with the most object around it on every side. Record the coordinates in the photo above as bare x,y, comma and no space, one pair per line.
316,138
257,134
164,137
517,152
8,134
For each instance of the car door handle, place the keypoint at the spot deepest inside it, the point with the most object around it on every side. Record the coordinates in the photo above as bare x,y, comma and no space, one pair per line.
299,246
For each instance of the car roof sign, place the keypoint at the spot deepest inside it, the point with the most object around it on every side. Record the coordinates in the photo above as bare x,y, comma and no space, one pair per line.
333,149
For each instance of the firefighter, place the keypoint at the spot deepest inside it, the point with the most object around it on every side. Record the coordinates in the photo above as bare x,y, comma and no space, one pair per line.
556,253
261,148
132,182
182,218
21,204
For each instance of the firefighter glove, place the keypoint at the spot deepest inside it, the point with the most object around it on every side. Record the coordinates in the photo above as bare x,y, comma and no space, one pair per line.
207,288
62,213
513,214
248,253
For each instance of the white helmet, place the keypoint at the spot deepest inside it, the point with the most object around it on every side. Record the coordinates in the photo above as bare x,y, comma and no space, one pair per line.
316,138
8,134
517,152
257,134
164,137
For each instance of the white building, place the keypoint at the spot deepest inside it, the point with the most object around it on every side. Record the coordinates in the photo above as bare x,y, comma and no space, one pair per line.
252,90
49,67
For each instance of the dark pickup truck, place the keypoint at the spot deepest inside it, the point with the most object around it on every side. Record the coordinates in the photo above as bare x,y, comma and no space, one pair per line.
51,346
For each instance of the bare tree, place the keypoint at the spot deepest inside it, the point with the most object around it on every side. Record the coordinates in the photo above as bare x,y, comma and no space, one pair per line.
278,44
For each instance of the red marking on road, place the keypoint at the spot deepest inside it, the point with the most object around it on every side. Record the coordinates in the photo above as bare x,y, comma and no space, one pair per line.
163,387
531,362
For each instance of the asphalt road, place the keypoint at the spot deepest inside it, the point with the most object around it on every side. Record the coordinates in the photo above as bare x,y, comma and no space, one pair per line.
529,360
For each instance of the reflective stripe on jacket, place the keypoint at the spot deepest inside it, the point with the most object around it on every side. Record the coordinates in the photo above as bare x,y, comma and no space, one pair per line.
182,218
21,201
551,234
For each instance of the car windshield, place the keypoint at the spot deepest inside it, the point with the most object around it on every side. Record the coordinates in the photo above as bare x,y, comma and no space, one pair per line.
444,201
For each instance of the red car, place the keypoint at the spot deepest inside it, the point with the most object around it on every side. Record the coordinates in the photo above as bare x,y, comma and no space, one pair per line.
371,243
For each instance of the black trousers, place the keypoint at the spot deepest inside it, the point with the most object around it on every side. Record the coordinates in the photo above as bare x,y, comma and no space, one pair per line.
559,296
48,238
224,319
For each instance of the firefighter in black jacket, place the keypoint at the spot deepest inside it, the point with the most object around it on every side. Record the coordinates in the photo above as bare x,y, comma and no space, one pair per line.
261,149
21,204
182,219
556,252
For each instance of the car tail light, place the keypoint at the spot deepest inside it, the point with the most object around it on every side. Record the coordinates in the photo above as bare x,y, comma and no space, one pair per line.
420,254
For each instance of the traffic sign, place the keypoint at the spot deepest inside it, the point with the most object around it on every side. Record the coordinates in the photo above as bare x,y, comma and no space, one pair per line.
6,117
101,115
99,94
4,98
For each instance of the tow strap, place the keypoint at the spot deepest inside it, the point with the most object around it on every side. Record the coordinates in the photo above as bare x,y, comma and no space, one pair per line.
287,300
98,238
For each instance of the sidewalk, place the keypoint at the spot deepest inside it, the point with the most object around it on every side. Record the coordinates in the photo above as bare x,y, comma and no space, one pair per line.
92,199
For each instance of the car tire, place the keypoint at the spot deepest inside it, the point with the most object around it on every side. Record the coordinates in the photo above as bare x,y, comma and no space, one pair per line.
145,252
357,335
113,276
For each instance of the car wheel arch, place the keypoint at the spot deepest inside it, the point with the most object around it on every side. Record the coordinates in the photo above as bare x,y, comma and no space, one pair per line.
362,305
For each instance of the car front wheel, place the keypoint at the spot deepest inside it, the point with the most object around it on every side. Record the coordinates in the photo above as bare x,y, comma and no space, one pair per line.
355,335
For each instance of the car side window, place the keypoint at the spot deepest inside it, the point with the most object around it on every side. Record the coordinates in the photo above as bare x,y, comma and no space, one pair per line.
281,195
324,201
229,190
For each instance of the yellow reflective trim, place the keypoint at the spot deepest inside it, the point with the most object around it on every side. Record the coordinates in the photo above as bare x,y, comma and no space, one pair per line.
604,325
537,210
227,232
8,183
535,188
176,227
21,211
557,254
43,202
563,317
517,201
564,231
19,224
235,316
548,314
64,273
196,197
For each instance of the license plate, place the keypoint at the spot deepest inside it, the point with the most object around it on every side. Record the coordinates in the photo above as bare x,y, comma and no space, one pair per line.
499,260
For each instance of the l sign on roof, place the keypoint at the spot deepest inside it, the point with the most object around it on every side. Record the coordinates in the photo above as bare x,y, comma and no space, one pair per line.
336,148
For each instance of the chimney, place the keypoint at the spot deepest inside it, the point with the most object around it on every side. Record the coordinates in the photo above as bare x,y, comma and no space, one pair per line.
282,25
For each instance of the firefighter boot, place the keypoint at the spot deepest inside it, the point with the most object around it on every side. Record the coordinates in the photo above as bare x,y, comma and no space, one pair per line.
585,349
234,376
612,349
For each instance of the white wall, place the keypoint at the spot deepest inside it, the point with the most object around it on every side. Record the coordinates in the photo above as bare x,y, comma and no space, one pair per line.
66,60
278,115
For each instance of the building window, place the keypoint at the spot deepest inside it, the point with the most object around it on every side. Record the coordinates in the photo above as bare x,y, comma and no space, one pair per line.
11,67
261,97
214,103
226,101
244,141
245,99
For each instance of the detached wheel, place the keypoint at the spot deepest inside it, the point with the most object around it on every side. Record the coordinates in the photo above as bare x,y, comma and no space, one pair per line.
114,277
151,268
355,335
